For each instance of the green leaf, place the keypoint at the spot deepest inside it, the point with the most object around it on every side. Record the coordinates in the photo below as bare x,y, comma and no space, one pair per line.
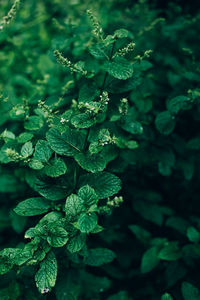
87,92
193,235
170,252
87,222
99,256
166,296
76,243
105,184
50,188
84,120
143,235
149,260
68,143
55,168
27,150
98,50
73,206
165,122
119,68
36,164
42,151
45,277
32,207
88,195
33,123
179,103
57,236
189,291
91,162
121,33
24,137
132,126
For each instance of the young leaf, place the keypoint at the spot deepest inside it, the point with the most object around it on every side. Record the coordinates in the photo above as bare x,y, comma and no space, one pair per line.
99,256
27,150
166,296
87,222
73,206
45,277
119,68
32,207
83,120
42,151
55,168
68,143
57,236
88,195
105,184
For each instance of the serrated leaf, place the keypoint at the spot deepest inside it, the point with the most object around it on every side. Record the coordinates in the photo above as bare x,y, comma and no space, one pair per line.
87,93
24,137
36,164
105,184
45,277
149,260
165,122
132,126
76,243
32,207
27,150
33,123
73,206
121,33
91,162
50,188
99,256
87,222
55,168
68,143
189,291
84,120
98,50
119,68
178,103
88,195
42,151
57,236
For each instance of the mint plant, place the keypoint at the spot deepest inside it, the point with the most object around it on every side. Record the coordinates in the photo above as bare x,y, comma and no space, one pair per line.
99,146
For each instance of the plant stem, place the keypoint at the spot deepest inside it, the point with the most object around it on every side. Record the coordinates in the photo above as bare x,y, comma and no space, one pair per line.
77,171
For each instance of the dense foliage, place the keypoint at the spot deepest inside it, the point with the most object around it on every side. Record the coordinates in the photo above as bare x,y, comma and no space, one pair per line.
99,154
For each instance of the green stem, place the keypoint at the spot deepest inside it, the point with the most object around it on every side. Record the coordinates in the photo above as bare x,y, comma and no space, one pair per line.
77,171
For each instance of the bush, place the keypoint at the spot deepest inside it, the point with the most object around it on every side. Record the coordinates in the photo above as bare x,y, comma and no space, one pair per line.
99,151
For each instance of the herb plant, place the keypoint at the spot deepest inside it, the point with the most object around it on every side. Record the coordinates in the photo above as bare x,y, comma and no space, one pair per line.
99,151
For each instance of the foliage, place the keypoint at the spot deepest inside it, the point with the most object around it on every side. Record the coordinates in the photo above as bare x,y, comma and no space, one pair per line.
99,150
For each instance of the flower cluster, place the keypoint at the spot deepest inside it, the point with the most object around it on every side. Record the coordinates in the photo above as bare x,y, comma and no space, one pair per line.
11,14
129,48
97,29
67,63
123,108
13,155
